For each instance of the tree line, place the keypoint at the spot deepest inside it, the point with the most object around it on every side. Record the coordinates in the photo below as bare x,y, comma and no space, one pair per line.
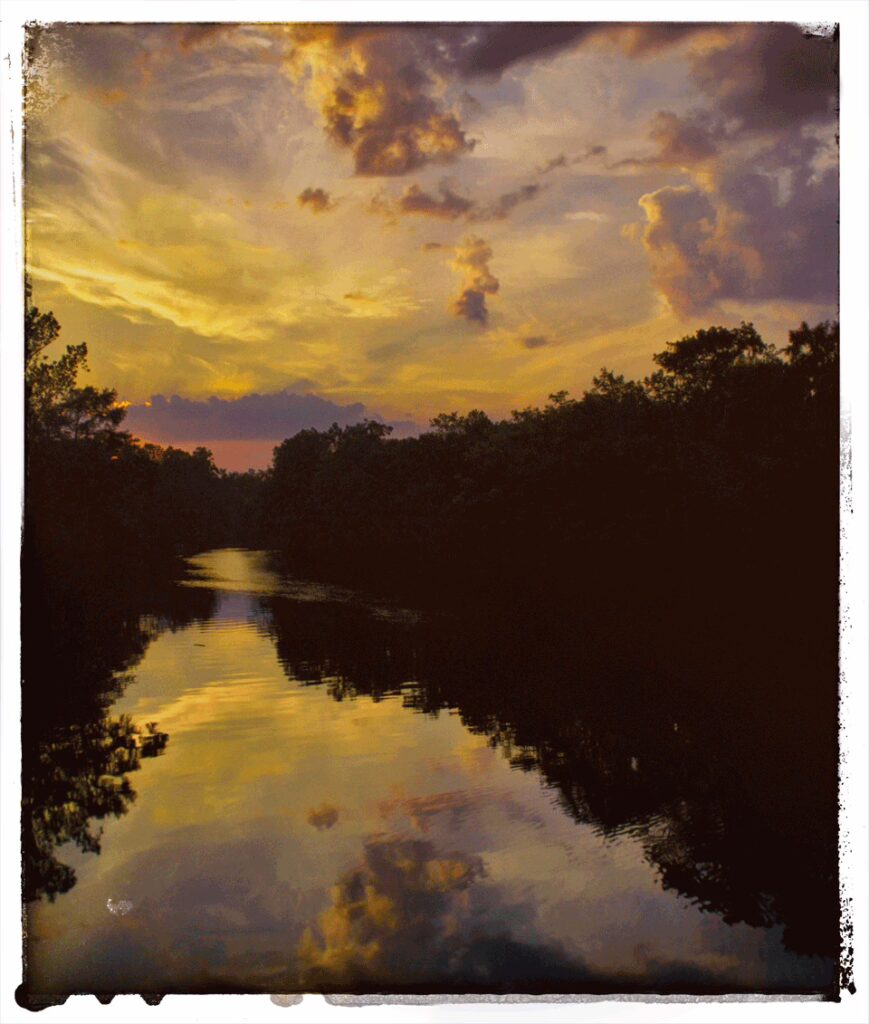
721,464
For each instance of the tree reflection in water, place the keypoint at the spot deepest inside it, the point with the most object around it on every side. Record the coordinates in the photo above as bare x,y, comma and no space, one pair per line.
730,784
77,757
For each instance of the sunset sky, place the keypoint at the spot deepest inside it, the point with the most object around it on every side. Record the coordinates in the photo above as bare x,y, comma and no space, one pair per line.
325,222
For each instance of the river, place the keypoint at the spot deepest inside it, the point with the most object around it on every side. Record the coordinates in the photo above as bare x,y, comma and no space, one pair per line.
348,798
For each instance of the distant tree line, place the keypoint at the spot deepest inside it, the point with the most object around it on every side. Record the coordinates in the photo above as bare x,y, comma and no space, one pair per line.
98,499
721,465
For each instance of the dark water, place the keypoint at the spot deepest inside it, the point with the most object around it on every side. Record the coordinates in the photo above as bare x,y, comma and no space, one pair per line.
352,796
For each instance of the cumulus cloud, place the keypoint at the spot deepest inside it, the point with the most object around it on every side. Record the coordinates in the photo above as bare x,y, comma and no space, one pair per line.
375,90
251,417
471,259
752,234
317,199
323,817
423,811
759,220
679,226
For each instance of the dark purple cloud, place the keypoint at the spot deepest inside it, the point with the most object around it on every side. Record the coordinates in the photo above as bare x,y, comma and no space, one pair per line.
761,232
770,76
487,50
760,220
251,417
680,141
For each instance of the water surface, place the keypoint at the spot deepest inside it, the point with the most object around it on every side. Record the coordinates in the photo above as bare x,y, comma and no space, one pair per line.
346,800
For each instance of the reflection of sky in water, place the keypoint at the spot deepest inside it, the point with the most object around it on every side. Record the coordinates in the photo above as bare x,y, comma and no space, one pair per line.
286,840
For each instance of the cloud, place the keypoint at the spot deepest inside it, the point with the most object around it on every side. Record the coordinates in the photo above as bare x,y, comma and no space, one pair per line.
760,219
471,259
449,205
324,817
535,341
317,199
380,88
407,895
398,898
679,225
504,204
375,92
681,142
251,417
646,39
553,163
193,35
487,50
556,162
754,232
769,75
586,215
422,811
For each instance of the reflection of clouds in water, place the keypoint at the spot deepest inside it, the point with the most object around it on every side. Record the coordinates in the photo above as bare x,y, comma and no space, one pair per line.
223,910
451,808
403,896
422,809
411,915
232,853
322,817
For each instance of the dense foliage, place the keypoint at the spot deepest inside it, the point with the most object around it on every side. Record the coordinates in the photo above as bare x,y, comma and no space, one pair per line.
722,462
97,499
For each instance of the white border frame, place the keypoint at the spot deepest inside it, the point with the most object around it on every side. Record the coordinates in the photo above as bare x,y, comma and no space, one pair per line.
853,18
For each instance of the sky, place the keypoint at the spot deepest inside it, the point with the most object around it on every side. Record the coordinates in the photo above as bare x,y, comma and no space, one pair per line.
259,228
